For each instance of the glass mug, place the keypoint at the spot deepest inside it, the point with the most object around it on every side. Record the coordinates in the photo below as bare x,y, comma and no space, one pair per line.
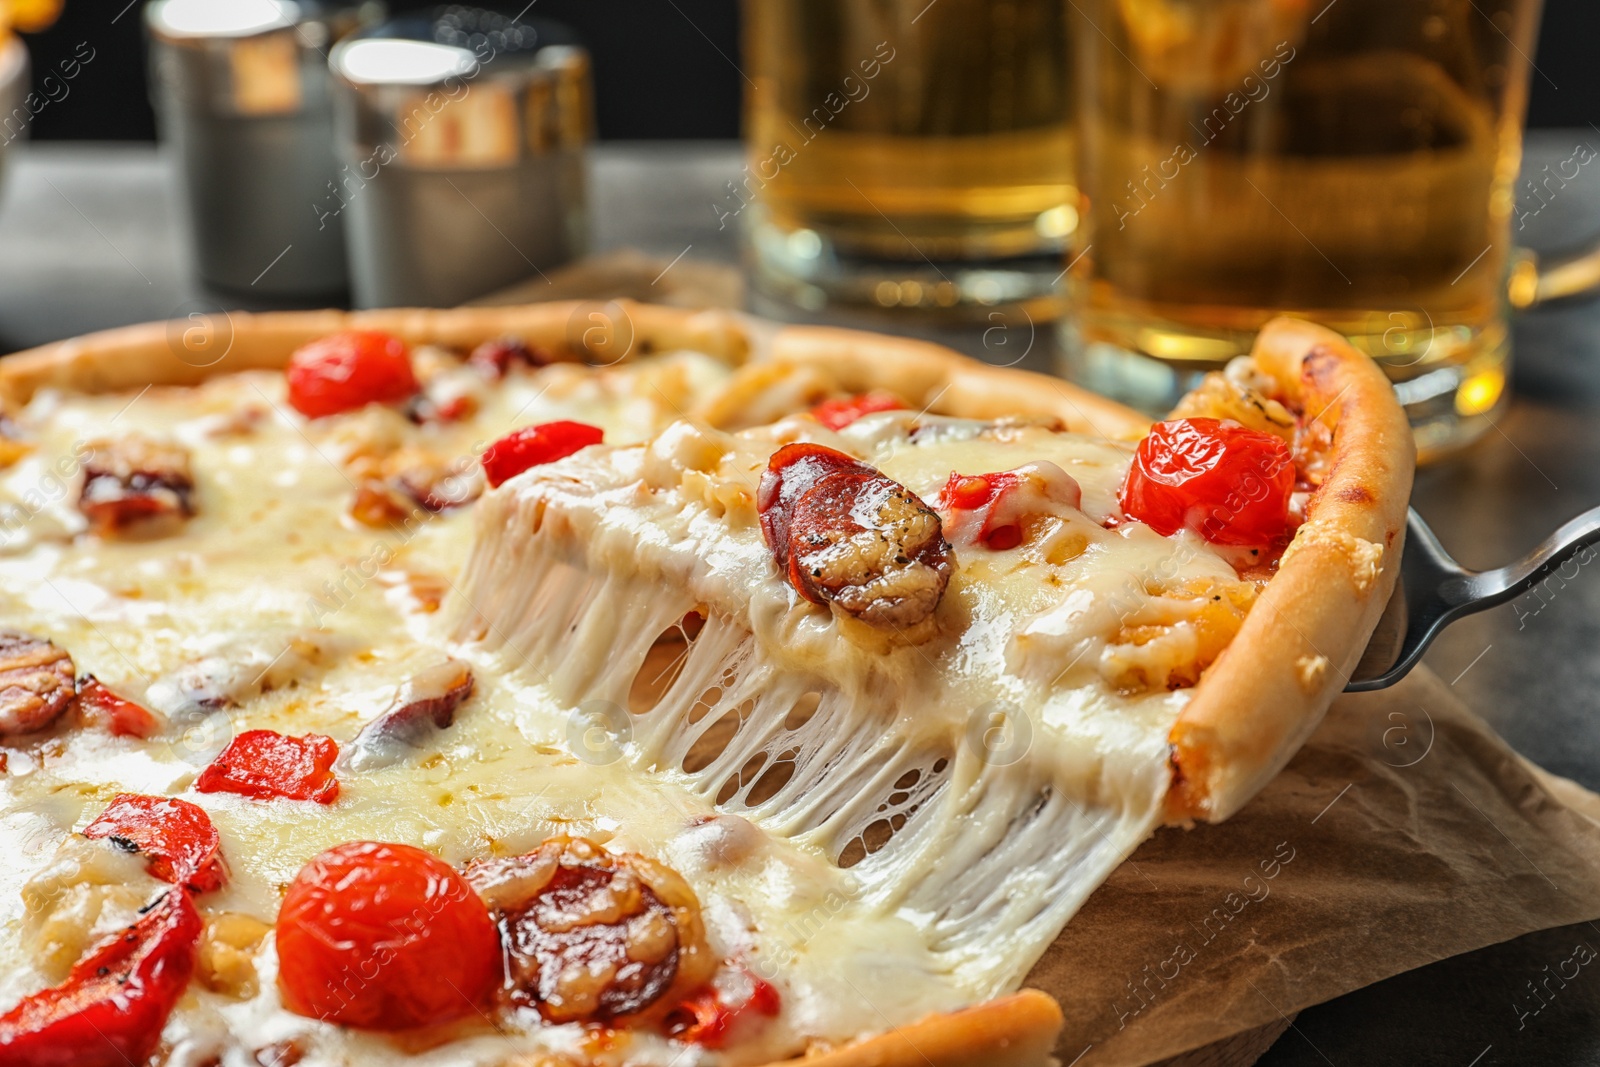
1352,162
906,154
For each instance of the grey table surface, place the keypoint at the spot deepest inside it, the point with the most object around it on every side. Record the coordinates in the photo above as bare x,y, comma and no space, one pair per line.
91,237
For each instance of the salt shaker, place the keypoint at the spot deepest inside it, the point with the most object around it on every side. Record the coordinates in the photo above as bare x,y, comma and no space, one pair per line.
241,92
461,135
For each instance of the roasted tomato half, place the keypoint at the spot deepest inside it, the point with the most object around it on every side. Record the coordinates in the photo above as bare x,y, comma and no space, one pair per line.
591,936
110,1010
844,533
1230,485
344,371
384,937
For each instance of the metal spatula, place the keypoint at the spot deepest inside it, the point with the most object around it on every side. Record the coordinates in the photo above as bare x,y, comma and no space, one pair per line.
1434,591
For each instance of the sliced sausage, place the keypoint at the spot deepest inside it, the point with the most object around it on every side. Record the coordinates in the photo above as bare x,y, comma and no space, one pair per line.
37,683
845,534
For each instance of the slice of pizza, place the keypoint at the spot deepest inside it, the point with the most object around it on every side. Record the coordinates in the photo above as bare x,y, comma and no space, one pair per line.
970,661
653,687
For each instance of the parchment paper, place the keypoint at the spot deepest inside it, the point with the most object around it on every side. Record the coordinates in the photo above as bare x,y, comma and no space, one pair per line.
1404,832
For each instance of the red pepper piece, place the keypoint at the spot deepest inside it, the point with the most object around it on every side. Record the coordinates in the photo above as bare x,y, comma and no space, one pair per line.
345,371
123,718
837,414
177,839
1229,484
110,1010
264,764
533,445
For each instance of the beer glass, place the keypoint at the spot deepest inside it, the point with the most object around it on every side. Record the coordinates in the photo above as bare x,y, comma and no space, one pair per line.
1352,162
906,154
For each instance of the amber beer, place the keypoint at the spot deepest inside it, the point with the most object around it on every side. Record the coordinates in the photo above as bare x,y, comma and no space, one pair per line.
907,153
1351,162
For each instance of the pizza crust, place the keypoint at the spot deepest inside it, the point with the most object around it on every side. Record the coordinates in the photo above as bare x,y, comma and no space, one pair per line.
1013,1031
1246,718
1268,691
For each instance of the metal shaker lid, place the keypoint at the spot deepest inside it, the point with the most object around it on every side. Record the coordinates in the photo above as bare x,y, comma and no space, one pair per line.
248,57
461,88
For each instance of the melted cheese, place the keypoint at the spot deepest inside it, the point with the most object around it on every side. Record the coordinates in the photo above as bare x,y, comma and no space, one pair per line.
1015,774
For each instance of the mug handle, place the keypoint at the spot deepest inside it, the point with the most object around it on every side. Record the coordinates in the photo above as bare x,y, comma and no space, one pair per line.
1534,282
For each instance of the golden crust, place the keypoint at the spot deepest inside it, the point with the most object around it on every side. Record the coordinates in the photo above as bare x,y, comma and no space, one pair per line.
1266,693
1013,1031
1251,710
185,352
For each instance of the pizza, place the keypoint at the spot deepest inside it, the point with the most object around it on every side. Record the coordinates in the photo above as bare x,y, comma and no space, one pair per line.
561,686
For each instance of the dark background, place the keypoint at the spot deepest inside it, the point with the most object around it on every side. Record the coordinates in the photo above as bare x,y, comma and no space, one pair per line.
663,68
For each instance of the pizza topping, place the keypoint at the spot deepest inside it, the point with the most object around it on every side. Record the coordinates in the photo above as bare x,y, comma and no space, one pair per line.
592,936
135,484
110,1009
998,510
394,487
1229,484
228,948
177,839
448,389
384,937
100,707
494,359
264,764
534,445
348,370
85,892
1239,394
425,704
710,1016
1168,640
837,414
36,683
253,663
846,535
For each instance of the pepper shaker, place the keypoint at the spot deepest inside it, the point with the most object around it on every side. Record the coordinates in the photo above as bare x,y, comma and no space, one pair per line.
241,92
461,135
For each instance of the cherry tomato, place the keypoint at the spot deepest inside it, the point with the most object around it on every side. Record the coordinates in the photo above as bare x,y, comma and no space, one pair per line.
264,764
110,1010
1229,484
344,371
177,839
123,718
837,414
706,1017
384,937
533,445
